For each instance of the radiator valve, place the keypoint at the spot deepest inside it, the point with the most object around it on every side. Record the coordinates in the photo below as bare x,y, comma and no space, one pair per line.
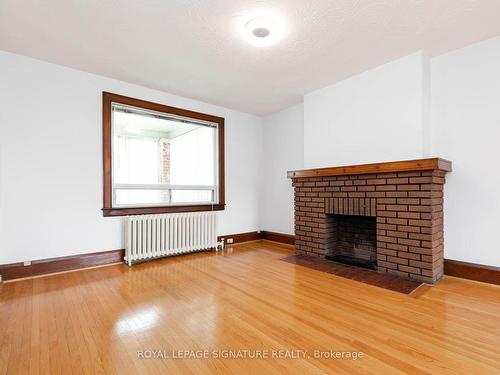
221,245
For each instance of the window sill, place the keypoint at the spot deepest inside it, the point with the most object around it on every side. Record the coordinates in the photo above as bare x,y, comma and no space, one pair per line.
161,210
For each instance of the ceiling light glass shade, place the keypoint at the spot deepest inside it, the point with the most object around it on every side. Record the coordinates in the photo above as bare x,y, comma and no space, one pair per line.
261,32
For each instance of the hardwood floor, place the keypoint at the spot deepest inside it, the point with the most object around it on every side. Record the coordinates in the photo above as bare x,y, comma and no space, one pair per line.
102,320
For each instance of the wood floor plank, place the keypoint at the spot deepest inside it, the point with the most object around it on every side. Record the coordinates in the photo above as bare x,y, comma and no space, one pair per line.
98,321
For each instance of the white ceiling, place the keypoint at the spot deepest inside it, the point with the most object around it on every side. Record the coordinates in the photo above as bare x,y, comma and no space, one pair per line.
192,47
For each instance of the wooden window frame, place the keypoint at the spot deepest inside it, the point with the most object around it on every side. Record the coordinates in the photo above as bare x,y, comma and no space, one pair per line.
108,210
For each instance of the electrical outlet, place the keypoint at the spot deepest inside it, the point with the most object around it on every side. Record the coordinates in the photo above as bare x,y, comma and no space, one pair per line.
27,263
229,240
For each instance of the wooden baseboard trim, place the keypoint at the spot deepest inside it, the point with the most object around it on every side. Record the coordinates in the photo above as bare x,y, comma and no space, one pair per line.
464,270
15,271
472,271
66,271
288,239
240,237
53,265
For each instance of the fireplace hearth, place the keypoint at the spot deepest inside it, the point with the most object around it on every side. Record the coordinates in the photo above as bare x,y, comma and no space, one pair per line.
386,216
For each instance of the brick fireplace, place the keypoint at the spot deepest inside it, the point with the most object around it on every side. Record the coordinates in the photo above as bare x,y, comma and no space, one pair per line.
388,216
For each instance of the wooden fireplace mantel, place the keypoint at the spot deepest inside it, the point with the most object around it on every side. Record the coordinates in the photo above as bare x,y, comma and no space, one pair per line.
385,167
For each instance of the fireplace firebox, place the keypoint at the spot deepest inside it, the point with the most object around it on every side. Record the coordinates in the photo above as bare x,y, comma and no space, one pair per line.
354,240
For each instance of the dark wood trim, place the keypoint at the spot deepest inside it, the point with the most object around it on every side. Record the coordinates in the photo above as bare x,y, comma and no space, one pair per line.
108,209
241,237
222,179
107,165
288,239
44,266
67,263
386,167
160,210
472,271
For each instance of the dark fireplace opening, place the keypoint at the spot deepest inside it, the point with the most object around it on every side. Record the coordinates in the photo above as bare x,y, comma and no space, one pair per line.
353,240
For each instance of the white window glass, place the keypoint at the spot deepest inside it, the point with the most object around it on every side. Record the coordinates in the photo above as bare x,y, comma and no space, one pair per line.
161,159
185,196
193,157
141,197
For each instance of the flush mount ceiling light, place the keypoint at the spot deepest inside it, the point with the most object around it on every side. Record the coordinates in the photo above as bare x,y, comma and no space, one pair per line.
262,32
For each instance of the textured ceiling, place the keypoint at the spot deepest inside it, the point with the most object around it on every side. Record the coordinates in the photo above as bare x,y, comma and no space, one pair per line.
193,48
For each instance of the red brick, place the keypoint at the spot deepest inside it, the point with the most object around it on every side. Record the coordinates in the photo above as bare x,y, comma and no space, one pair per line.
404,254
397,221
397,194
398,247
408,201
420,250
397,260
421,223
385,187
386,201
409,269
408,187
397,207
387,239
388,265
376,194
387,252
419,264
337,183
397,234
419,236
409,174
409,242
387,226
387,213
397,181
378,181
409,215
420,180
406,228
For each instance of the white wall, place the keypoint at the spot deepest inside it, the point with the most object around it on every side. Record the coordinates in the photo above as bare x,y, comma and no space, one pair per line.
448,106
50,149
465,92
51,161
374,116
283,151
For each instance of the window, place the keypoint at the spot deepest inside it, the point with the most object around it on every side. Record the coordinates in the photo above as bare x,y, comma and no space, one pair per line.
160,159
